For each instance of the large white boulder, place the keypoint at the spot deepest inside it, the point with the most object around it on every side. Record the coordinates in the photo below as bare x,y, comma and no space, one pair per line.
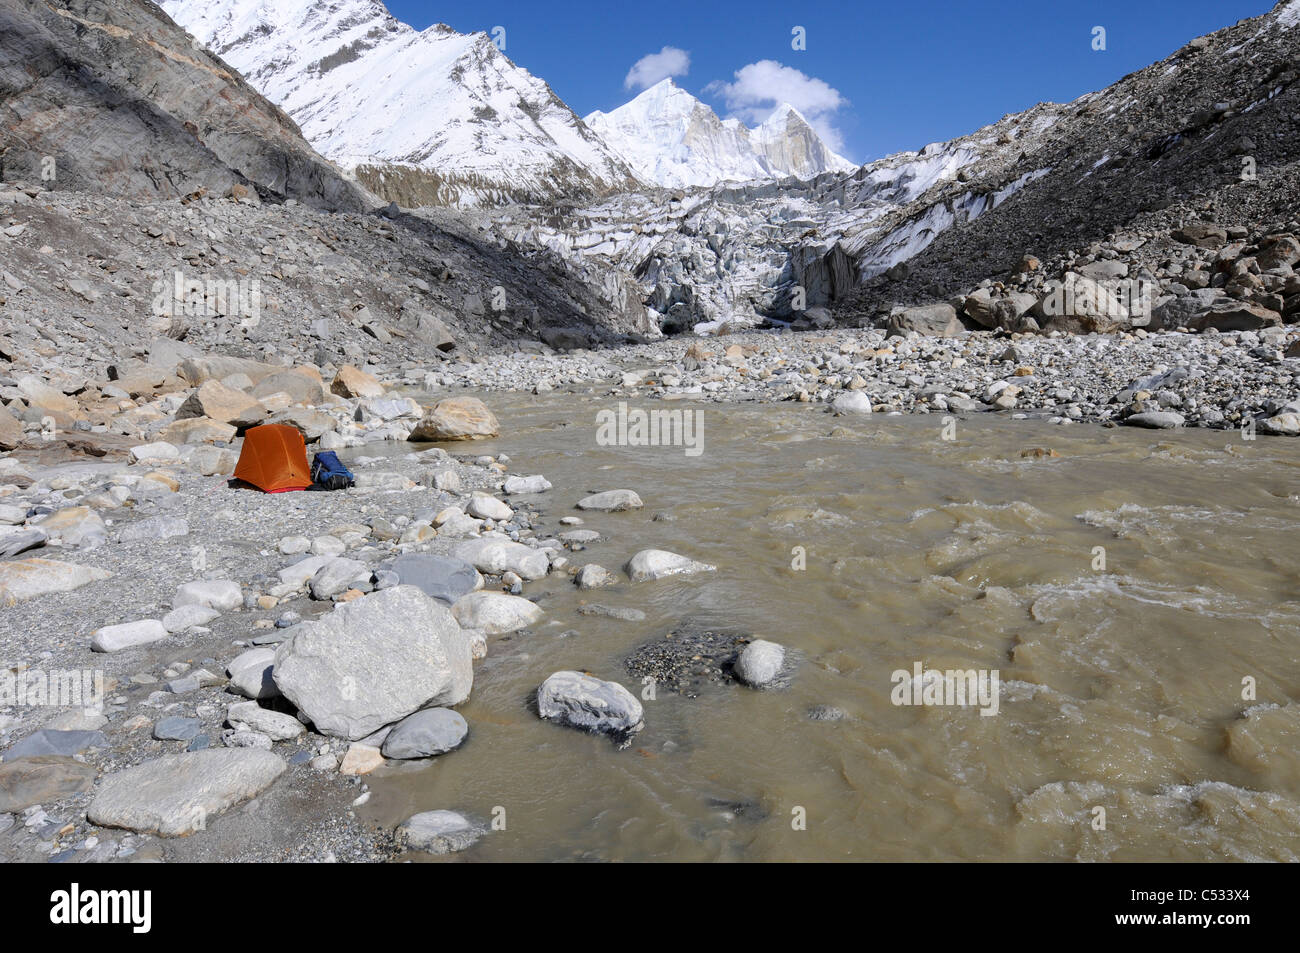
373,661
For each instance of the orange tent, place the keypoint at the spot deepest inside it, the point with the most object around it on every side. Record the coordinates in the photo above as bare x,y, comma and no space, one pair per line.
274,459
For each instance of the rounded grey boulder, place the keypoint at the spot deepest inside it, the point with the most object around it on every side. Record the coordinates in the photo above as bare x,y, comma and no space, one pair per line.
442,577
430,732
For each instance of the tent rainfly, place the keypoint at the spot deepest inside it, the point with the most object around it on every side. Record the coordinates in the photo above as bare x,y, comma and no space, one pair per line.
274,459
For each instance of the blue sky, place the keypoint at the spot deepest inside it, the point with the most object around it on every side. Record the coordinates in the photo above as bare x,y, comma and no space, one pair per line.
879,77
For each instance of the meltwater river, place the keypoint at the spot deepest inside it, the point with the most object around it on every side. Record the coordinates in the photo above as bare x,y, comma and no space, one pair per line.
1135,594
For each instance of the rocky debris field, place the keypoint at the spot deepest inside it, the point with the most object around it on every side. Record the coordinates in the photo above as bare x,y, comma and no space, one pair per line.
195,670
89,282
1172,271
1218,379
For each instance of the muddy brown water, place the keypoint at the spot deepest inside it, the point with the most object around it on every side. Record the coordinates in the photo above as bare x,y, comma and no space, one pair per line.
1121,730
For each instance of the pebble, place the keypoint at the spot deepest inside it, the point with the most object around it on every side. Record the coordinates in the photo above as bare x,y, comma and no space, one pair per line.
176,728
220,594
116,638
361,759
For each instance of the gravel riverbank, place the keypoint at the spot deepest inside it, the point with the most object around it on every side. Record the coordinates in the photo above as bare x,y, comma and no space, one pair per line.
1218,380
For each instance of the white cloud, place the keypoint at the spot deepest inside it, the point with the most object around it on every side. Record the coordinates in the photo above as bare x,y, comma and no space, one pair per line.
760,87
653,67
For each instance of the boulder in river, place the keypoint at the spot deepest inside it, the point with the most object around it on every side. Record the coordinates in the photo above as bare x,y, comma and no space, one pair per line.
583,701
495,612
851,402
593,576
526,484
1155,420
456,418
651,564
760,662
439,832
497,555
611,501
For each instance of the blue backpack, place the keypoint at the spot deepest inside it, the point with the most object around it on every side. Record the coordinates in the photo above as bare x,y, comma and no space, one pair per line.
329,473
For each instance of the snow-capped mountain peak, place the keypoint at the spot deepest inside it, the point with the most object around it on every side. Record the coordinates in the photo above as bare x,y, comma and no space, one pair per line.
792,145
672,139
424,117
782,113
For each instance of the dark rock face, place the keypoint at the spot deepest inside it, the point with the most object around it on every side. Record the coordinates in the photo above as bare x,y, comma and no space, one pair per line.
122,102
826,275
